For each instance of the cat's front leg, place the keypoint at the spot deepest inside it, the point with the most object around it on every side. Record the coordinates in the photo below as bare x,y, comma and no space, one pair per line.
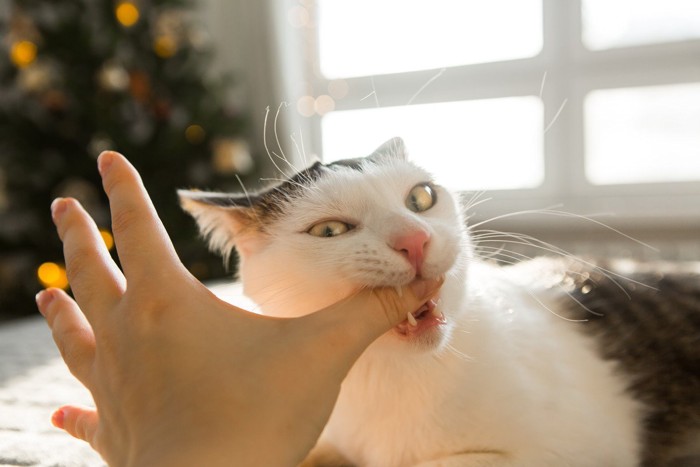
470,460
325,455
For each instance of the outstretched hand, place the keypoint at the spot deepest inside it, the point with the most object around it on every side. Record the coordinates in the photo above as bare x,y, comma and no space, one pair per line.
178,376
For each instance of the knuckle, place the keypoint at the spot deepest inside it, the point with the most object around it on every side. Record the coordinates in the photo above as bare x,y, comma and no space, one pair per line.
123,219
147,312
78,263
71,344
82,426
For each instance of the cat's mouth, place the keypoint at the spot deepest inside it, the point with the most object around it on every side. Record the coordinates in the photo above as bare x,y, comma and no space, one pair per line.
425,317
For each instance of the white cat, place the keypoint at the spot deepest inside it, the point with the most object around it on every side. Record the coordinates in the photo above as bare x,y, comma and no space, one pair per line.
489,373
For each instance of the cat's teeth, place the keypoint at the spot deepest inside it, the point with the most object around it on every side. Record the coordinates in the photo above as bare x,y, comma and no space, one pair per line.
411,320
399,291
435,311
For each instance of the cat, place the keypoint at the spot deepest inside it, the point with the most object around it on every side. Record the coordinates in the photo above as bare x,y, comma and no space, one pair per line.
550,362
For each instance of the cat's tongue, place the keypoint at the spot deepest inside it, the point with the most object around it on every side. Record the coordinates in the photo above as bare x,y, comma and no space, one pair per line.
420,320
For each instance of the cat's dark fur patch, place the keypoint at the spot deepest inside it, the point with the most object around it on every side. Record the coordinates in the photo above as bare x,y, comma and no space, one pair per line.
649,322
269,203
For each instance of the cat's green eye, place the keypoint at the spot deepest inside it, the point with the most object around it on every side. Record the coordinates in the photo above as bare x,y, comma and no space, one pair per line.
329,229
421,198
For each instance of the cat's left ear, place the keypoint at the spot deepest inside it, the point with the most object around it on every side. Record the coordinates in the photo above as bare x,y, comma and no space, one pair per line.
226,220
395,148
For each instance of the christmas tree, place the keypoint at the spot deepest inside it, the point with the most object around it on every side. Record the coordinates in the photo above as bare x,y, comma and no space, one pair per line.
81,76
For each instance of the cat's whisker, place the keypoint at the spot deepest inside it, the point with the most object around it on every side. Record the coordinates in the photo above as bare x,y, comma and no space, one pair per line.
374,92
300,150
577,301
556,116
543,305
428,83
542,83
500,254
271,154
461,355
475,201
526,240
554,212
277,138
265,145
247,195
565,254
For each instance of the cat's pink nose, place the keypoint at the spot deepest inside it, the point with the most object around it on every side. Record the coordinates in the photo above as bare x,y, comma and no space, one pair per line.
412,245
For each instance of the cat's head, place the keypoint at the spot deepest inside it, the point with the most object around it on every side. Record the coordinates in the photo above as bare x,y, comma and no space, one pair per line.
335,228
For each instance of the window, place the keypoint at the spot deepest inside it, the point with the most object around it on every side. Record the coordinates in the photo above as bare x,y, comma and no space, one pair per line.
370,37
461,135
641,135
620,23
592,104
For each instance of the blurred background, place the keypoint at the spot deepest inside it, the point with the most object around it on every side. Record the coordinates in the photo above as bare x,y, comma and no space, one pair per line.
589,107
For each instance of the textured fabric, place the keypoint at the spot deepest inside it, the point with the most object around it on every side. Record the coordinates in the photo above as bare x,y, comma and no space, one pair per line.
33,382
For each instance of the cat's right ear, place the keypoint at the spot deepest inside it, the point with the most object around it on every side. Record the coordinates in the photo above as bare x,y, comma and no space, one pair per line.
395,148
226,221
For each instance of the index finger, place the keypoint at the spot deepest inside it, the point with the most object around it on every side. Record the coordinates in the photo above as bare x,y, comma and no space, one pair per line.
142,242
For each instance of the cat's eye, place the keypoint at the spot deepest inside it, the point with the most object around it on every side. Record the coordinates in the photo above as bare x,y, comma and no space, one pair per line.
421,198
329,229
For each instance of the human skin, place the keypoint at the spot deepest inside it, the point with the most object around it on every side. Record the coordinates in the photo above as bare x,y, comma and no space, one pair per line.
178,376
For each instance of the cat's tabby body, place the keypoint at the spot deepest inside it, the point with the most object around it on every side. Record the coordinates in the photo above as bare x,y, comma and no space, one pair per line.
553,362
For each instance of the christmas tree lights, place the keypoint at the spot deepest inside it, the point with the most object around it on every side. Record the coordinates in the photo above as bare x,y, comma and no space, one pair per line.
127,14
78,77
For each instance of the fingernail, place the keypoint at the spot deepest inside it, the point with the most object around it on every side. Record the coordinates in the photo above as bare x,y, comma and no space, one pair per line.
43,298
104,161
57,418
58,207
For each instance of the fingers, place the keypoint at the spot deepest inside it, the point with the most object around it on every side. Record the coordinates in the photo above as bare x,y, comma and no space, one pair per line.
71,331
93,276
360,319
79,422
143,244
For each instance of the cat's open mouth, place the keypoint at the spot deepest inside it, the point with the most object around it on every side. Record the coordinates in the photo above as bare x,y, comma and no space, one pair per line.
425,317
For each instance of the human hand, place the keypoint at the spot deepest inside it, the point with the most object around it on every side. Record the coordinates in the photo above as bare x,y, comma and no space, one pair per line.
178,376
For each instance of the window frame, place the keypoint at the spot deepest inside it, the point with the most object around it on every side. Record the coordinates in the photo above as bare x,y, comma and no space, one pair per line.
564,71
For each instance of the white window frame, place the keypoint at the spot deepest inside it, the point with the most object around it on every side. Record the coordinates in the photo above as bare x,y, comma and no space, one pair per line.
571,72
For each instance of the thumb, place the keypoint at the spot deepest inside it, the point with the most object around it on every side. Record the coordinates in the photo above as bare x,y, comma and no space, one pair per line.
361,318
79,422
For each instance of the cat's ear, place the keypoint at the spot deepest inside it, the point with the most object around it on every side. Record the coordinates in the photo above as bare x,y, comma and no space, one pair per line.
226,220
395,148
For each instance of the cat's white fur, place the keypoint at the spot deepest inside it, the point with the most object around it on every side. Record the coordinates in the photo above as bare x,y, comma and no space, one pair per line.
507,383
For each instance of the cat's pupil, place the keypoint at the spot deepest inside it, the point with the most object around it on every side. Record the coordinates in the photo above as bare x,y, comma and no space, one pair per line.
328,229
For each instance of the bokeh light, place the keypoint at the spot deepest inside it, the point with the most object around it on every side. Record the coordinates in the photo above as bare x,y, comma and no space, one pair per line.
324,104
195,134
165,46
52,275
108,238
127,14
306,106
23,53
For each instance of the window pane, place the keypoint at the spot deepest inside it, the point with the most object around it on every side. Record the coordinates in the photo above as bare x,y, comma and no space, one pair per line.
473,145
371,37
620,23
638,135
